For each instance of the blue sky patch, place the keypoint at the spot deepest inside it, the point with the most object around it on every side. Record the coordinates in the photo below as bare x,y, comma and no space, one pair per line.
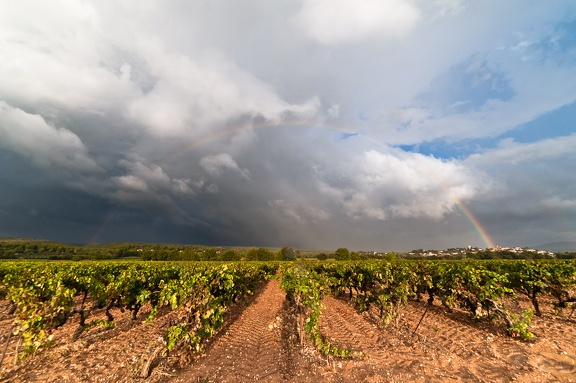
558,123
467,86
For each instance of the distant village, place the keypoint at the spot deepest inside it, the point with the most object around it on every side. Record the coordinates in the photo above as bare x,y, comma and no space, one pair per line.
478,252
468,252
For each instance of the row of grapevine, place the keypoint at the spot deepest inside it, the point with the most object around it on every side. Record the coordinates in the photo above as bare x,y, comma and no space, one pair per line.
476,286
305,291
45,296
555,277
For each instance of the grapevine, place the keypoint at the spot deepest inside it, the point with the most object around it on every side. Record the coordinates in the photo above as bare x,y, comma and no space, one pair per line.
45,295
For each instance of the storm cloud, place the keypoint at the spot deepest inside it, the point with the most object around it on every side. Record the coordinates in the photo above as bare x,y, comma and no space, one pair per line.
306,123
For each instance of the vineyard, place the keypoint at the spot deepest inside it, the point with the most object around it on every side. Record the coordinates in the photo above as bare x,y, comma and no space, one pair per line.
346,315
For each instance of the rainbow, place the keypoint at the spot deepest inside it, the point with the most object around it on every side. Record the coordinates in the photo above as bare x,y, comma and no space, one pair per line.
213,136
95,237
474,221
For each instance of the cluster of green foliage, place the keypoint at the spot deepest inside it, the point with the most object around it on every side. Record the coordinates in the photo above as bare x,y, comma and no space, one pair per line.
44,296
534,278
305,291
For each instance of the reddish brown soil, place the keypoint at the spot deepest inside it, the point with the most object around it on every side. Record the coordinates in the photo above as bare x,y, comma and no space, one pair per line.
251,349
259,344
449,347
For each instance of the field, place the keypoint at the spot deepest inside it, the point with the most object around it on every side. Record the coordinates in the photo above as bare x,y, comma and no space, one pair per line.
269,338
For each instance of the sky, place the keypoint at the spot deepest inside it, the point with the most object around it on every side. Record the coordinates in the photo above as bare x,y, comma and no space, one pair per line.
367,124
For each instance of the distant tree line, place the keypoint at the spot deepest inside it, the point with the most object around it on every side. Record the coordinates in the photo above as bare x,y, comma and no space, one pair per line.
566,255
213,254
31,249
54,251
21,249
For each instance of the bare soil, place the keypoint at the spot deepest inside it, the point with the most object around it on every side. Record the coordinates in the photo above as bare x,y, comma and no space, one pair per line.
259,343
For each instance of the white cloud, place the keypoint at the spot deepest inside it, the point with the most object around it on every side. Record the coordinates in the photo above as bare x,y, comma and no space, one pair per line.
396,184
152,179
348,21
30,136
67,59
512,153
54,58
196,94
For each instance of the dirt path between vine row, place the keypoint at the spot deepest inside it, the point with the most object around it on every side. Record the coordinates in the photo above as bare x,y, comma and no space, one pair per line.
256,347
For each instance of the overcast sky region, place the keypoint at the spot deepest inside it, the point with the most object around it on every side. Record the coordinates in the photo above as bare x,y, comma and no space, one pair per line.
367,124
